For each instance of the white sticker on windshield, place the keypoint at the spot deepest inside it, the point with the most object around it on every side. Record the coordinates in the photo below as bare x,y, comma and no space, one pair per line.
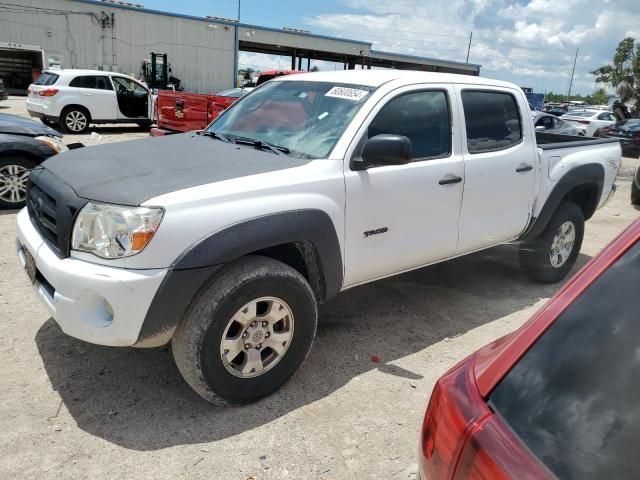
346,93
322,115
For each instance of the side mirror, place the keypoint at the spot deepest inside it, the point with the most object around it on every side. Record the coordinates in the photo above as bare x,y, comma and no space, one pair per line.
385,149
540,128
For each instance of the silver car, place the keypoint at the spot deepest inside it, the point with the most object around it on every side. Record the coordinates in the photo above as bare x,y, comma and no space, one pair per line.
545,122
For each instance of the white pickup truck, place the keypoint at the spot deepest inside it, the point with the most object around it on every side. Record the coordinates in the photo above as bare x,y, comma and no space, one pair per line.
223,242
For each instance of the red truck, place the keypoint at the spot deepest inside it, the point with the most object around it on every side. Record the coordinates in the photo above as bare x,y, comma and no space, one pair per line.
185,112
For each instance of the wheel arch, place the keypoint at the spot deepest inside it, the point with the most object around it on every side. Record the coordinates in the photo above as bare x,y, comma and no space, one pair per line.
306,240
581,185
71,106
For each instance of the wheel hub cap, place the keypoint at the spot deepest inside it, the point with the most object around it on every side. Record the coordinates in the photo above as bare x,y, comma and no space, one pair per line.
562,245
13,183
76,121
257,337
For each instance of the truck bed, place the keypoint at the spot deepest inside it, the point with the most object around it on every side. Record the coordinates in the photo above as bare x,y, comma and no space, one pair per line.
552,141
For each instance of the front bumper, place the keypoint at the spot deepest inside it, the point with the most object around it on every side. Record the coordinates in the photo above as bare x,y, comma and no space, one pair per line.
94,303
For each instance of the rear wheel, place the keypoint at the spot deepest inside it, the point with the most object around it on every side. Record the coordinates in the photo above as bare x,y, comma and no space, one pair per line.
247,333
14,173
635,190
75,120
549,257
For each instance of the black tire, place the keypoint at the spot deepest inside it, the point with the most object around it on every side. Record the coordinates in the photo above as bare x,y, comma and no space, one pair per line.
13,189
75,120
196,343
535,254
635,191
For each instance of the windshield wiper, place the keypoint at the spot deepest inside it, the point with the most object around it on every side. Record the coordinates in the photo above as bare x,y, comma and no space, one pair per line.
278,150
213,134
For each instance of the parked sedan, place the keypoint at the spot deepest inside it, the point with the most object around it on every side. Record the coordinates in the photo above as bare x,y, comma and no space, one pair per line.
545,122
588,121
556,398
24,144
628,131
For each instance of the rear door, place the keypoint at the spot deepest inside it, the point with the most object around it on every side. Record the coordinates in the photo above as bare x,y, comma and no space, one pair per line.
96,93
500,164
400,217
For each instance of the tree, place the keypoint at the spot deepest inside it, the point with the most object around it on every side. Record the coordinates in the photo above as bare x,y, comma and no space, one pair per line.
314,69
599,97
624,73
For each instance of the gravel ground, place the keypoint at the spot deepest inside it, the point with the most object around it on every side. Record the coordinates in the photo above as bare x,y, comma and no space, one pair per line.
69,409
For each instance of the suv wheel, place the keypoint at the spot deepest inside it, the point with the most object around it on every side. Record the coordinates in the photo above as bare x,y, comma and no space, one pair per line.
247,333
549,257
75,120
14,173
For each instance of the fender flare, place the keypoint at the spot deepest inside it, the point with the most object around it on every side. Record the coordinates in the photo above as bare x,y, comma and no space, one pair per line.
192,270
21,145
591,173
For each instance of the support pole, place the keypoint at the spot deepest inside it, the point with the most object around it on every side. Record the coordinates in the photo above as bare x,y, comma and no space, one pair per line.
572,72
469,48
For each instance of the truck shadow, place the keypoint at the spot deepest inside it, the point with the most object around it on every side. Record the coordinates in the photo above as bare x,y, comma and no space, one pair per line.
137,399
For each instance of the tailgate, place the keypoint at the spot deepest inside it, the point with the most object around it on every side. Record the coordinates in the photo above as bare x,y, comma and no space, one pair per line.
183,112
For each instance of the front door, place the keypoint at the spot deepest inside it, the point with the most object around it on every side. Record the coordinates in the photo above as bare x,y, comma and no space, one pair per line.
500,163
403,216
133,98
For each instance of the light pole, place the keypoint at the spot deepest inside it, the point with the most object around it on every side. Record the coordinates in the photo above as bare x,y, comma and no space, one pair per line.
236,48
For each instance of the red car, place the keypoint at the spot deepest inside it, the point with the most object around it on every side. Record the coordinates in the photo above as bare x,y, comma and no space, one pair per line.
628,131
559,397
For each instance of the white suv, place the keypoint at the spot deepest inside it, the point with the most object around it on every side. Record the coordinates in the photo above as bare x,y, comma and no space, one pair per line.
73,99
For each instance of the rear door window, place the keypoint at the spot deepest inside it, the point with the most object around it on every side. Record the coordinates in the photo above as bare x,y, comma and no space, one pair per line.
47,79
574,398
492,120
97,82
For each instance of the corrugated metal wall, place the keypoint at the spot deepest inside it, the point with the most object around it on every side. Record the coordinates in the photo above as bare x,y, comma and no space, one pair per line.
200,52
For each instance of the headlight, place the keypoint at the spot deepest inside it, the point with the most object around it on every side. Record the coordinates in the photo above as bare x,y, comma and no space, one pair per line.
54,142
113,231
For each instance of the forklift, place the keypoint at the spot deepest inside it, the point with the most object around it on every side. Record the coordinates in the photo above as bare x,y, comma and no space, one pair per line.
156,73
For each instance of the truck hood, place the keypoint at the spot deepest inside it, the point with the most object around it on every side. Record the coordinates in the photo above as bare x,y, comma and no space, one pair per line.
130,173
13,124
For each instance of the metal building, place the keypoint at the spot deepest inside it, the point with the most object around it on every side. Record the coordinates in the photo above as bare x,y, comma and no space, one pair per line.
117,36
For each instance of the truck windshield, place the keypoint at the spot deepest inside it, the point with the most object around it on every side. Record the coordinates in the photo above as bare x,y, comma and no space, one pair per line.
304,118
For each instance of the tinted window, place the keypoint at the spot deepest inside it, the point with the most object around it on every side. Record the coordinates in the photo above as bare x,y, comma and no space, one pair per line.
423,117
574,398
546,122
47,79
606,116
91,81
492,119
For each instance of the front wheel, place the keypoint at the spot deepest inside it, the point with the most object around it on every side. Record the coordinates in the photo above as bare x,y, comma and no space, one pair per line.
247,333
549,257
14,173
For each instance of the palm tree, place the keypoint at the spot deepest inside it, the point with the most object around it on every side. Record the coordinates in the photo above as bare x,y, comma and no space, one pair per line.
624,74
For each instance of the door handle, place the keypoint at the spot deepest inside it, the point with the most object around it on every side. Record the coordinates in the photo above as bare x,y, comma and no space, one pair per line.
524,168
450,180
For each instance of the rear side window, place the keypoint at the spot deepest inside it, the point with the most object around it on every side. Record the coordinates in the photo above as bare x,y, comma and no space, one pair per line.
423,117
492,120
97,82
607,116
574,398
47,79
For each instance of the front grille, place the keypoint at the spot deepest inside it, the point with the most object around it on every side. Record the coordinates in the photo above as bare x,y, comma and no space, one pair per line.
52,207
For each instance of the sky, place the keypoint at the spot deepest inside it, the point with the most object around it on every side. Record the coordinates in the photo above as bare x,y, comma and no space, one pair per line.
529,42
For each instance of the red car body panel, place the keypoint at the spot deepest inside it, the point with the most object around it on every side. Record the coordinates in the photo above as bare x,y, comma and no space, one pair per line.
461,436
185,112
